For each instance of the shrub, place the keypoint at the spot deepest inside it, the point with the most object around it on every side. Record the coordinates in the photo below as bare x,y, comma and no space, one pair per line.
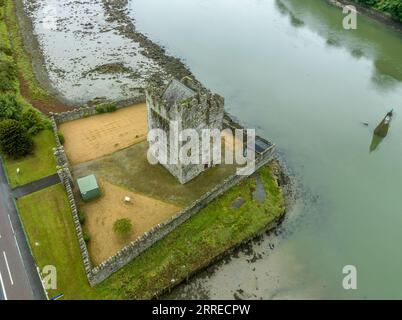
111,107
47,123
81,217
100,109
8,75
61,137
14,139
122,227
86,237
10,108
7,51
106,107
32,121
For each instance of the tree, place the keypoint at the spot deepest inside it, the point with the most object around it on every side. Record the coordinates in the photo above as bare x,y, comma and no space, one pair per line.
32,120
14,139
123,227
395,8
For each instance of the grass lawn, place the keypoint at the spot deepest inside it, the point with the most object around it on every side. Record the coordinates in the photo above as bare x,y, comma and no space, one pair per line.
192,245
48,222
196,242
38,165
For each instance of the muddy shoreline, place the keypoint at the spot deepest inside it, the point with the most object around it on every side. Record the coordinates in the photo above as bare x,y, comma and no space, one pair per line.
35,53
115,12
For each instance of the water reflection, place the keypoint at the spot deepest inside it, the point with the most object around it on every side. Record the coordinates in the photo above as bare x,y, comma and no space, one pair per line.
386,55
384,66
375,142
283,9
298,90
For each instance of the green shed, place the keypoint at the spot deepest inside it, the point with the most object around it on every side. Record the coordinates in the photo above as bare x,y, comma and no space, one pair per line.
89,188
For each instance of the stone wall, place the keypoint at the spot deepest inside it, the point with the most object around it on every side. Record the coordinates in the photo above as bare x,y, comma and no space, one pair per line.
78,113
127,254
66,179
131,251
86,111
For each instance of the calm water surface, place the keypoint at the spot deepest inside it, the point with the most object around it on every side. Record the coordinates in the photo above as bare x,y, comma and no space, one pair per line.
288,69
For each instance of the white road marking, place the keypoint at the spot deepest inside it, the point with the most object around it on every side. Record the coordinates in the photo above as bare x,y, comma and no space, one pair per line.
8,268
18,248
2,287
11,223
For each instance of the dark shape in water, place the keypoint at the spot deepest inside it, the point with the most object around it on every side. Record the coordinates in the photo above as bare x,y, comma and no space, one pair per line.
383,127
381,131
375,142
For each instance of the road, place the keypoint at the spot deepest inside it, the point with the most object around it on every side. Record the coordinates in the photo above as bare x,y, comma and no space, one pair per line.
19,279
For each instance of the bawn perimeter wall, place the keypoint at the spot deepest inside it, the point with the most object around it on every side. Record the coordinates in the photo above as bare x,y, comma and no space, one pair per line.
99,273
128,253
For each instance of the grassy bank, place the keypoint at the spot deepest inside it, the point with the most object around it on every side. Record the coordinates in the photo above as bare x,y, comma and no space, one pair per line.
191,246
28,82
41,162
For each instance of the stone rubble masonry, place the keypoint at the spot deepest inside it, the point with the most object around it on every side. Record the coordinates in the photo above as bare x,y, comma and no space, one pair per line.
203,110
66,178
86,111
135,248
101,272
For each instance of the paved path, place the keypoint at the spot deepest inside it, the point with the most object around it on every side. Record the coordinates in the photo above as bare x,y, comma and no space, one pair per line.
35,186
19,278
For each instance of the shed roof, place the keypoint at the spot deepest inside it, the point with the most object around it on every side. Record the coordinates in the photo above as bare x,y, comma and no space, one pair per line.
176,92
87,183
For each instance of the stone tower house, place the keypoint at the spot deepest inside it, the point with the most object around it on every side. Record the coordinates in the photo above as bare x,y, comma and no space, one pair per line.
193,107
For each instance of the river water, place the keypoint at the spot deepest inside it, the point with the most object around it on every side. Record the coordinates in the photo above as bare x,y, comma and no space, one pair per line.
289,69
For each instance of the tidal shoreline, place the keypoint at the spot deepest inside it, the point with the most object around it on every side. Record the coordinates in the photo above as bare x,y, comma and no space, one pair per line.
162,65
287,187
